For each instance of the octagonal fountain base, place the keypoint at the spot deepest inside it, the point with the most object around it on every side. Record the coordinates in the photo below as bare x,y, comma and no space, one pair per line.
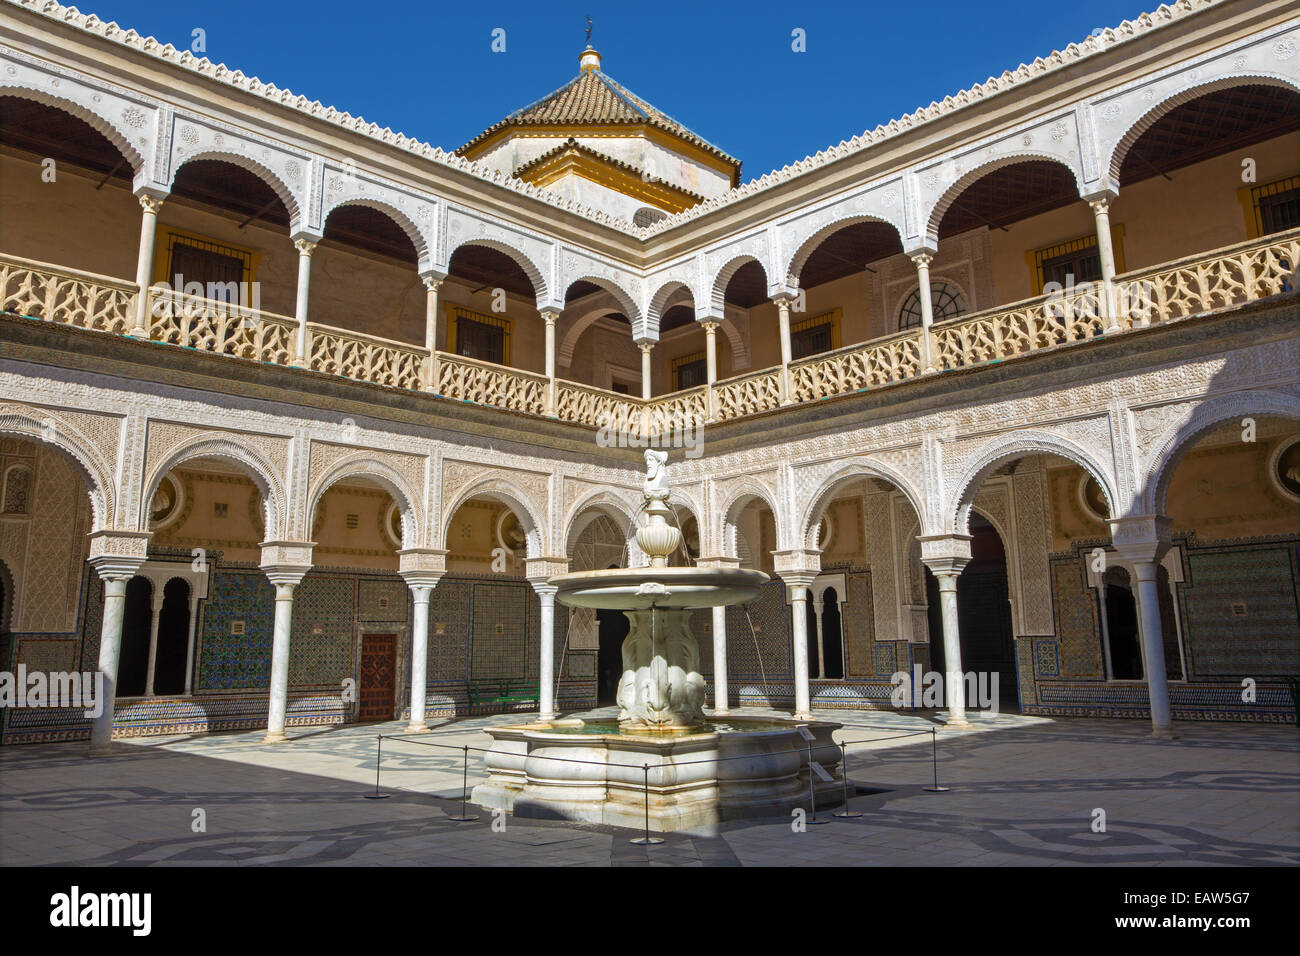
732,767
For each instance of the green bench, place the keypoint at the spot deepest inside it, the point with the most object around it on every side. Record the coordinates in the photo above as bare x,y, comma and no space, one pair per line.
493,692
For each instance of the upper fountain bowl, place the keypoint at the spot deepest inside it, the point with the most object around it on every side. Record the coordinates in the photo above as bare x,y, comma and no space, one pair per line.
630,589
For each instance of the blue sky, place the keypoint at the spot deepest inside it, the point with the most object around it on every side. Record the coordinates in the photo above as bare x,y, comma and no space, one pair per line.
725,70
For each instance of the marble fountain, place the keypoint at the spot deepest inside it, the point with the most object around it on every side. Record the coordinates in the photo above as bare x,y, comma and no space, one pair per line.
700,770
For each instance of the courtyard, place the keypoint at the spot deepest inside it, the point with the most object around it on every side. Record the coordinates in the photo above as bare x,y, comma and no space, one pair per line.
1024,791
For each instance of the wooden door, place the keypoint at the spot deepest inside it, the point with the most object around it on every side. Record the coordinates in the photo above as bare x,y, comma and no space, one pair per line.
378,676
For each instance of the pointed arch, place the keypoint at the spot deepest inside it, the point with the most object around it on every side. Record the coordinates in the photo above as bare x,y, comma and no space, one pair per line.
48,429
226,447
1169,449
1153,115
1008,447
369,465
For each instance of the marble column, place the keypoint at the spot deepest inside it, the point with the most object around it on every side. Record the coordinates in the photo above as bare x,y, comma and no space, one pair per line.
115,570
818,604
1144,540
645,368
710,361
429,374
550,316
1106,253
286,577
953,678
546,665
799,614
302,345
783,320
420,594
189,646
922,261
720,694
156,596
144,263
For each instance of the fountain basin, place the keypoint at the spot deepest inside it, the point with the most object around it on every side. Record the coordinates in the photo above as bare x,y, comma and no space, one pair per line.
729,768
627,589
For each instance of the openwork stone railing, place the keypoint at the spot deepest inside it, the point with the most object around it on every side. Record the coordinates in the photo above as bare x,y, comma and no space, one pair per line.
43,291
365,358
221,327
486,384
1197,284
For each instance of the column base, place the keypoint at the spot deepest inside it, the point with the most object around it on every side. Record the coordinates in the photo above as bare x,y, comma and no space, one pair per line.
275,737
547,717
959,724
720,711
798,716
105,751
420,728
1164,733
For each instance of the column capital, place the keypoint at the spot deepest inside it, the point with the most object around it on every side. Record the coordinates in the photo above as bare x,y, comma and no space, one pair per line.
539,571
421,563
151,202
1142,539
922,260
1101,198
710,326
945,554
432,280
549,315
645,345
118,555
286,562
797,561
305,245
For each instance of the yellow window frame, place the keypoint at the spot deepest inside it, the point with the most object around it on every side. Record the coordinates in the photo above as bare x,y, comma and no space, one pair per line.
1249,197
831,318
168,236
456,312
1036,257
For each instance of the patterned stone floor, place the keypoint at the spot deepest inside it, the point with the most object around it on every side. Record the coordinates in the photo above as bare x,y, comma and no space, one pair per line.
1023,791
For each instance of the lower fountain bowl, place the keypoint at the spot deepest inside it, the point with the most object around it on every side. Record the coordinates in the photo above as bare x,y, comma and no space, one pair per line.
691,780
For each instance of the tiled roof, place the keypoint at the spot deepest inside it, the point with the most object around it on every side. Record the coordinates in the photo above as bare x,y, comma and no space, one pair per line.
573,144
593,98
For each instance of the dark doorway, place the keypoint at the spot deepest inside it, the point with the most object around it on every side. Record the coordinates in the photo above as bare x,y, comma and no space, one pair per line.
133,662
832,636
983,616
614,626
378,677
1122,627
173,639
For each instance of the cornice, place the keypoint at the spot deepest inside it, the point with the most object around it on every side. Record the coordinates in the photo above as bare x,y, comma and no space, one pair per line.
1126,32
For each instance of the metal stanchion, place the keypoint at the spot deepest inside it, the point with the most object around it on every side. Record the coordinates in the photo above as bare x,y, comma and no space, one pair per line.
844,812
647,840
464,790
934,759
379,750
812,790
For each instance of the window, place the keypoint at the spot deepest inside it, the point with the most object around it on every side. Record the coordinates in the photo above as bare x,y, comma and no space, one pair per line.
1275,207
690,371
946,300
645,216
479,336
1068,264
17,490
819,333
225,272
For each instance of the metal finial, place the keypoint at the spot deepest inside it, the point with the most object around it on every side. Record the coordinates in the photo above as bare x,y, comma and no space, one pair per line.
588,29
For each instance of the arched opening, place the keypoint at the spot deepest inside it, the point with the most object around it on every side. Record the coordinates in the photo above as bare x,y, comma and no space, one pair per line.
1121,621
389,281
137,622
603,354
1226,163
66,191
740,297
983,616
490,310
173,645
843,277
829,644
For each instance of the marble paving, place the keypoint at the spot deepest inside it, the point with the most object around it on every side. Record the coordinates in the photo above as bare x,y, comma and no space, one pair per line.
1024,791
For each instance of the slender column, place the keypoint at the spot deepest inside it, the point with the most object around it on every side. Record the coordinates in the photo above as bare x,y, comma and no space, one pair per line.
923,261
1106,253
720,661
285,577
645,368
419,657
953,679
189,646
1151,633
550,316
110,650
305,248
710,361
144,263
783,318
429,374
156,603
821,644
546,666
799,612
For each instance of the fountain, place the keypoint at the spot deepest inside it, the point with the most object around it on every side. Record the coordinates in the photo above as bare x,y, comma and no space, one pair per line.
697,770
